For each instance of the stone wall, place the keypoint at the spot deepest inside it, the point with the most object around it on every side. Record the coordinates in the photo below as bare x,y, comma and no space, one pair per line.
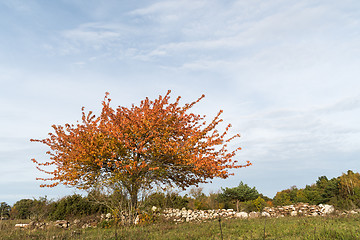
301,209
187,215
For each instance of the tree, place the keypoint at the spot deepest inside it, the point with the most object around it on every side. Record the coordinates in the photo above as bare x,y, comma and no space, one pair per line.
348,183
240,193
155,143
198,200
4,210
329,189
282,198
259,203
22,209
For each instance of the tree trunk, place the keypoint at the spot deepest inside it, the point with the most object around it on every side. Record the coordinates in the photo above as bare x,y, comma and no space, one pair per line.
237,205
133,191
134,198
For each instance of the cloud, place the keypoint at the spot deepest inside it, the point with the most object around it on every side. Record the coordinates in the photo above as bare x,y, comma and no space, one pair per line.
93,33
20,6
285,73
166,7
346,104
285,133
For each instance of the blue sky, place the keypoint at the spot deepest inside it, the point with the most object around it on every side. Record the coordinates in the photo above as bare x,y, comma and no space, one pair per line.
286,74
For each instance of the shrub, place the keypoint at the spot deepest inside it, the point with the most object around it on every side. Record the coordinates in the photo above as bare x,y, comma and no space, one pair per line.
259,204
165,200
74,206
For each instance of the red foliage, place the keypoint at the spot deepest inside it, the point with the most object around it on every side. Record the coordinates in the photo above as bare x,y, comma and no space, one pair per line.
155,143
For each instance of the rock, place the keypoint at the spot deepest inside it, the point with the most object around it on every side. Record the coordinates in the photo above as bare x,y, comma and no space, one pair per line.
254,215
22,225
241,215
108,216
154,208
62,224
137,220
294,213
327,209
265,214
86,225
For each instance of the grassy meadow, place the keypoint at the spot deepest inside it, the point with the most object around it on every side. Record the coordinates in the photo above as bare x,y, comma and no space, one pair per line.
332,227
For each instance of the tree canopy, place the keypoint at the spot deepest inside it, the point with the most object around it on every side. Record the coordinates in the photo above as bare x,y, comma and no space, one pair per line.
343,192
157,142
240,193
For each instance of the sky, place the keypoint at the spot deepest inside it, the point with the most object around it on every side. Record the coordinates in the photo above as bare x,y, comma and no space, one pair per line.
285,72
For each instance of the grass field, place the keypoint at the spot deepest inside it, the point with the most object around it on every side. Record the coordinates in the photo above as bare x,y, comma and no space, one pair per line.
345,227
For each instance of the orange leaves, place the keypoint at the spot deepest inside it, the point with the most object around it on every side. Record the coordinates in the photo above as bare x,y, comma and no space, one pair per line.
155,142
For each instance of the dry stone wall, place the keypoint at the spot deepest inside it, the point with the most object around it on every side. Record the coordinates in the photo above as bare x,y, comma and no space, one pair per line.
187,215
301,209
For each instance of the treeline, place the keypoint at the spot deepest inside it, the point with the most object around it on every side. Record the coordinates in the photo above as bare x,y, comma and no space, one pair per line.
65,208
343,192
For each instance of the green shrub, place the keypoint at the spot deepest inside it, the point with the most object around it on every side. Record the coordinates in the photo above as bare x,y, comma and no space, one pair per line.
74,206
259,204
165,200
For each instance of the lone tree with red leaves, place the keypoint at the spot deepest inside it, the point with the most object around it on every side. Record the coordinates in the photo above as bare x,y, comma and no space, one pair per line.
156,143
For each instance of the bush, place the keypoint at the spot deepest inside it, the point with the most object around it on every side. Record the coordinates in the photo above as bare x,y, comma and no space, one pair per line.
74,206
165,200
259,204
198,199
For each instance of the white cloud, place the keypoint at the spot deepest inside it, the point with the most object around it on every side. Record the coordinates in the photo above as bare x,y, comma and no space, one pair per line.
164,7
285,73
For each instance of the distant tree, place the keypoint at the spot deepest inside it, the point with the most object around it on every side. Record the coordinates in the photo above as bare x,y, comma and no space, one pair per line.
313,194
4,210
349,189
156,143
259,203
343,192
239,194
349,183
199,199
282,198
22,209
328,189
301,197
165,200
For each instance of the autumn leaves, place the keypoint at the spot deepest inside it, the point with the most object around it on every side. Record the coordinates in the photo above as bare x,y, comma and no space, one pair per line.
157,142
